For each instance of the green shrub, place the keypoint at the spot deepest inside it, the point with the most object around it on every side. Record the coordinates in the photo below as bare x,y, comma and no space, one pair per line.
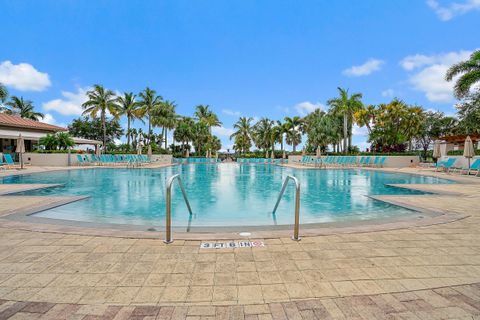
460,152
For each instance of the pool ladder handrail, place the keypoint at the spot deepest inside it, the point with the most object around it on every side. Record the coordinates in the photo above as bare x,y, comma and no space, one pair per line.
297,204
168,224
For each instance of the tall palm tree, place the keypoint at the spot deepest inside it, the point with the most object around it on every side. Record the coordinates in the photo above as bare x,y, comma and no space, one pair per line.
24,108
184,131
207,116
129,107
3,93
263,133
470,74
100,100
281,130
148,102
243,133
164,116
292,126
346,105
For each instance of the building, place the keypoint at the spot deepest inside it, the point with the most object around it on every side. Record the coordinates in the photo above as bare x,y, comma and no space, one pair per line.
11,126
456,142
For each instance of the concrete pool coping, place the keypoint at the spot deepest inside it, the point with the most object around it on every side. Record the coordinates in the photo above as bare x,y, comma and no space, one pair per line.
421,216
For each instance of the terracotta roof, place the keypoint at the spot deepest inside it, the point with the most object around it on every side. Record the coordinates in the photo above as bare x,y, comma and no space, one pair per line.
460,138
17,122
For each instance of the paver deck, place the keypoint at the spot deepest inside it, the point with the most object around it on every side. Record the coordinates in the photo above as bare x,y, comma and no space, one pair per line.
429,272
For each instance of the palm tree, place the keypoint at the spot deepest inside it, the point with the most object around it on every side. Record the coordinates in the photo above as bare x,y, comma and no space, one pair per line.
24,108
100,100
263,133
184,131
243,134
205,115
164,116
129,107
292,126
346,106
470,74
281,130
148,102
3,93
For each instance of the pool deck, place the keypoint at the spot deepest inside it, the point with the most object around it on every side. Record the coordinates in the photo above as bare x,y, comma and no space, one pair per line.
409,272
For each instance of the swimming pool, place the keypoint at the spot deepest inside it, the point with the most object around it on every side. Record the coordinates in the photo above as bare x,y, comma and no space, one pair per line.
222,194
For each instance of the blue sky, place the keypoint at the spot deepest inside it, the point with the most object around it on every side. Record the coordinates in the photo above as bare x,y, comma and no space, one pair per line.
241,57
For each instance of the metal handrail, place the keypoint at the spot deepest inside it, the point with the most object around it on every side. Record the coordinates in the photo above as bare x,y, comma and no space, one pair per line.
168,225
297,204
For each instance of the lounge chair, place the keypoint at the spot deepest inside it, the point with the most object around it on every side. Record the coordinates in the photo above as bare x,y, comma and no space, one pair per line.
475,165
80,160
446,166
381,163
366,163
10,162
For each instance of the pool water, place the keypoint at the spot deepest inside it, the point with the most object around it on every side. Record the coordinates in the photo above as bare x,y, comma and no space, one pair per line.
222,194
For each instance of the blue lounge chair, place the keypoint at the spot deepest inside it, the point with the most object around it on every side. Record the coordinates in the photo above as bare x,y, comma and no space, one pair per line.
381,163
475,165
447,165
80,160
367,161
9,161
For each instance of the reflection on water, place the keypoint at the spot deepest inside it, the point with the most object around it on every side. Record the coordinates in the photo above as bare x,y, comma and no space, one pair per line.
221,194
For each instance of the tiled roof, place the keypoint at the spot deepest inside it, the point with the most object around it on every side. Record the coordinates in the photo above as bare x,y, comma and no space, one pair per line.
17,122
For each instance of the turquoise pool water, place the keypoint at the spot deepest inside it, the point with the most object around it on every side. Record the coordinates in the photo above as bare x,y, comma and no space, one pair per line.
221,194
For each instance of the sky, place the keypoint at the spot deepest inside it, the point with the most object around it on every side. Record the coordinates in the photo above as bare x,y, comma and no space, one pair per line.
257,58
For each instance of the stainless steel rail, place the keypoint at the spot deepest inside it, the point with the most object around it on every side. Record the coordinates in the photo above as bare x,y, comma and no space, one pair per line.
168,224
297,204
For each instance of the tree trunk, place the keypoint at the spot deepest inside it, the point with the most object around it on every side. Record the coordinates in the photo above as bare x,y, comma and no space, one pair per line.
104,125
128,132
345,132
149,127
166,132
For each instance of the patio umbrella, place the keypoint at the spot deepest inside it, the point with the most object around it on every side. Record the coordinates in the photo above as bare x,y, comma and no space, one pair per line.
216,154
149,152
97,150
20,149
206,154
319,152
284,155
139,149
187,154
272,155
468,151
436,150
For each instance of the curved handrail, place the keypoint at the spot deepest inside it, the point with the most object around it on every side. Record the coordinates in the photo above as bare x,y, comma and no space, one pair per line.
168,224
297,204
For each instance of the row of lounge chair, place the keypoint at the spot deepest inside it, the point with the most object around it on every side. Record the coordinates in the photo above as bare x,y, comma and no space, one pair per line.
112,160
8,163
261,160
345,161
450,165
196,160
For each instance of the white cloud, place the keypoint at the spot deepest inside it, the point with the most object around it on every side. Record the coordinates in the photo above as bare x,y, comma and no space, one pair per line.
222,131
429,74
51,120
359,131
23,77
229,112
70,104
388,93
304,108
449,11
365,69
